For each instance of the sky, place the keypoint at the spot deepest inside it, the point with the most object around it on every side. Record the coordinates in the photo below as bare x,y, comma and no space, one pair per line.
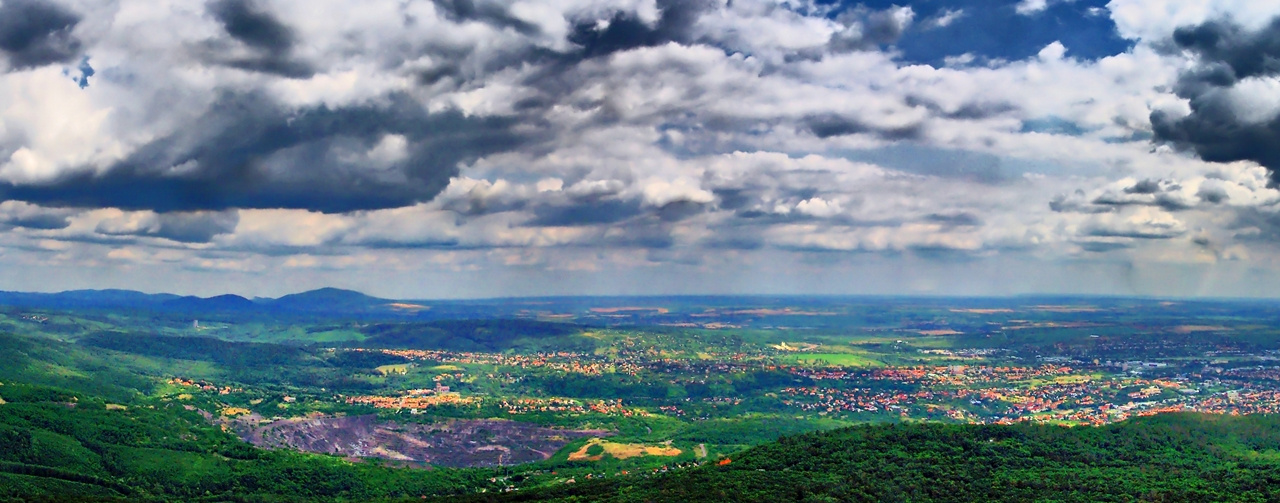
477,148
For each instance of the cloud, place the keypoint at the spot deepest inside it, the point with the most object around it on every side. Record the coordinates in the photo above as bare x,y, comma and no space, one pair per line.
268,43
866,29
30,216
1146,186
1104,246
493,13
1028,7
830,125
190,227
1035,7
501,141
944,18
36,33
251,151
1232,114
626,30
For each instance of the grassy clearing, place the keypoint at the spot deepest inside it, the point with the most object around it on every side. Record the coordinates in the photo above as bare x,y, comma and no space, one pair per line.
831,359
402,368
595,450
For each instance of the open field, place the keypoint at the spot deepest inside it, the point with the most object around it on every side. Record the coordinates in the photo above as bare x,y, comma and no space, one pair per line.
830,359
393,369
589,452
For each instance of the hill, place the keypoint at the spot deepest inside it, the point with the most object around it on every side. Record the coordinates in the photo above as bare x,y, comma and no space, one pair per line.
328,299
1172,457
86,299
55,446
219,303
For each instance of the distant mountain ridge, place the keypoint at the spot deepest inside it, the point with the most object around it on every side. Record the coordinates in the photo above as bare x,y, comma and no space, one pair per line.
323,300
329,297
85,298
226,302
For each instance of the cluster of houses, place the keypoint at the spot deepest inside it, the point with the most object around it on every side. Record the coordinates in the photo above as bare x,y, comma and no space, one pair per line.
203,385
568,362
569,406
411,402
1047,393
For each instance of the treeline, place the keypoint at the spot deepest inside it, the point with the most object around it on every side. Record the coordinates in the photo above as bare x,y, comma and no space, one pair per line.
653,387
237,354
495,335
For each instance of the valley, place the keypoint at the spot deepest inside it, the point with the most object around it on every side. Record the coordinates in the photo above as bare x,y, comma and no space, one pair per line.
605,392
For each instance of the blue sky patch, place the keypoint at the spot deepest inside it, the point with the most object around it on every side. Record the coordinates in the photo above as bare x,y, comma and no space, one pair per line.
995,30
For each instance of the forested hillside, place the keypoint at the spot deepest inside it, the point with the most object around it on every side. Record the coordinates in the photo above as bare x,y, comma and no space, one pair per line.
1173,457
61,446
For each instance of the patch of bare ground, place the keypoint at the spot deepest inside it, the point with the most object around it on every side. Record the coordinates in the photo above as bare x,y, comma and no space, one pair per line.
1187,329
1066,309
629,309
455,443
934,333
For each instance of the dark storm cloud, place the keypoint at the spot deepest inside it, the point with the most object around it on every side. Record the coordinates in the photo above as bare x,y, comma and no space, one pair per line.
1226,54
198,227
1169,202
955,219
1147,186
51,220
249,151
625,31
1110,199
1212,195
831,125
244,21
270,41
1156,233
1063,204
30,216
967,111
1148,192
41,222
1164,201
1256,224
676,211
492,13
732,199
590,212
35,33
1103,246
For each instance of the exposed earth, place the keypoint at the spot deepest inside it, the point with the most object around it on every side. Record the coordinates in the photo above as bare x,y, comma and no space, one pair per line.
456,443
